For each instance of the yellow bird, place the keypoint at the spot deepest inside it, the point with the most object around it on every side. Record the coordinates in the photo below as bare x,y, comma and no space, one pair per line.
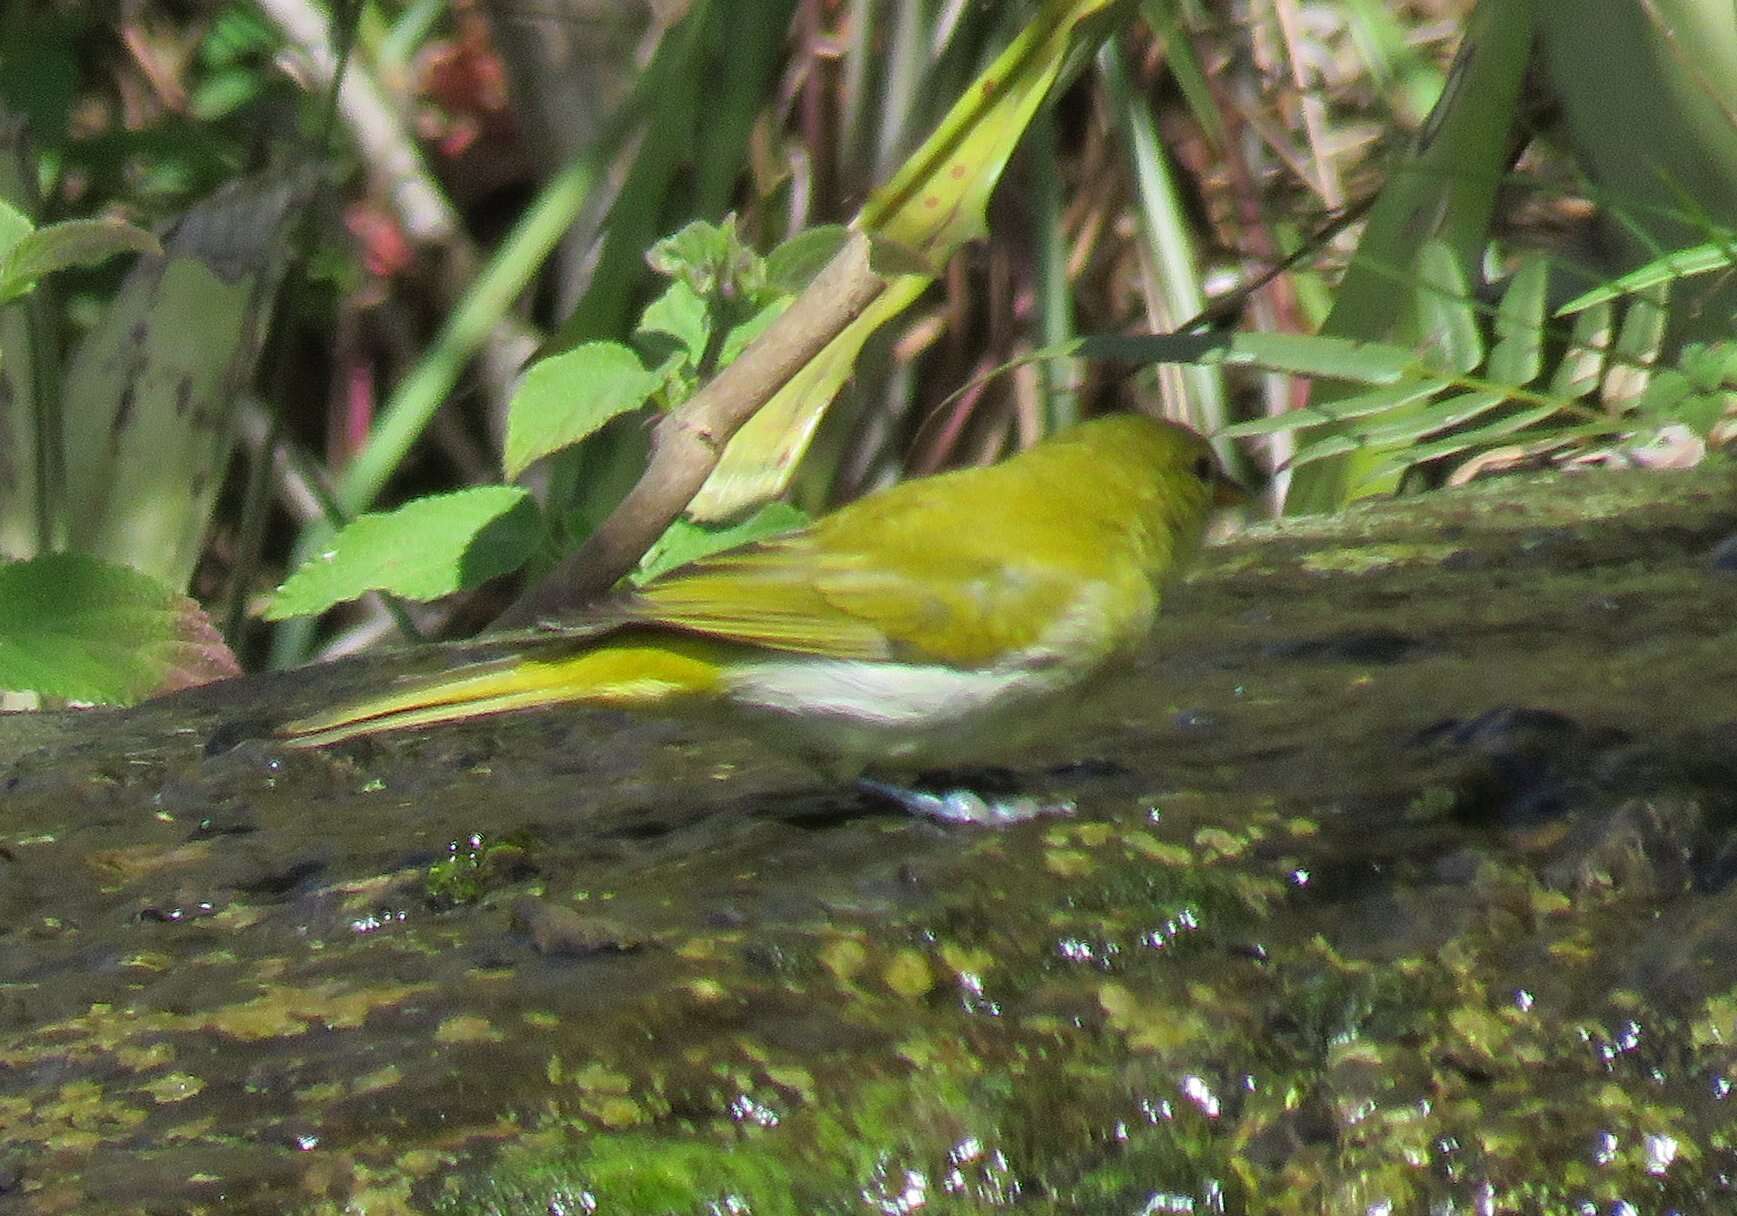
928,624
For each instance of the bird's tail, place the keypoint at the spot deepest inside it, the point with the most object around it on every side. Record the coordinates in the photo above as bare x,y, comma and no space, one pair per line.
639,675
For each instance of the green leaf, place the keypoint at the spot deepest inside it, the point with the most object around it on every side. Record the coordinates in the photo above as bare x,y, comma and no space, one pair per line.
760,457
149,396
1448,412
1681,264
71,243
1375,401
568,397
1314,355
1637,348
1321,449
1701,412
1463,441
685,541
711,259
791,265
1447,322
936,200
682,315
76,627
1664,394
1519,353
14,227
736,341
224,92
1290,420
1582,364
425,549
1707,364
932,204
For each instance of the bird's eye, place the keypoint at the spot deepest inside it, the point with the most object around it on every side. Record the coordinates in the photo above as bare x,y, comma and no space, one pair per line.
1205,469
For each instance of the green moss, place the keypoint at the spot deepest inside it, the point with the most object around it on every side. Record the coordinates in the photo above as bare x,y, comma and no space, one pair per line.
630,1175
475,866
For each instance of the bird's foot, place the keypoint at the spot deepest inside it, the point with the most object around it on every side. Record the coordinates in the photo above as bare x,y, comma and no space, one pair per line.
963,805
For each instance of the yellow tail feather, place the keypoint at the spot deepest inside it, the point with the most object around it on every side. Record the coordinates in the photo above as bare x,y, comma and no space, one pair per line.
615,674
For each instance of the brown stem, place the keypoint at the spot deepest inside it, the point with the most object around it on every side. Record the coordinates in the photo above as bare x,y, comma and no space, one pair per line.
686,445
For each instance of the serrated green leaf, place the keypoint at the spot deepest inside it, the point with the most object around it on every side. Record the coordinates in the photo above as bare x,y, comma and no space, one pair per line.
76,627
423,550
1638,341
1519,351
1582,364
70,243
710,259
679,314
1680,264
568,397
685,541
1447,322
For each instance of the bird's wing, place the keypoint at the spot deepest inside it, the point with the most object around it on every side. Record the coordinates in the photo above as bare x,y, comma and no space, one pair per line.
878,599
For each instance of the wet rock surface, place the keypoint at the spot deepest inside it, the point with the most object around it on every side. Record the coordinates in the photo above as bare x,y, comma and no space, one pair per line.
1402,873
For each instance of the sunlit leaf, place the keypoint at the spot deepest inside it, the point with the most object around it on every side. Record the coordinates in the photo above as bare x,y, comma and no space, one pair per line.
76,627
935,202
14,227
568,397
679,314
1709,365
425,549
932,205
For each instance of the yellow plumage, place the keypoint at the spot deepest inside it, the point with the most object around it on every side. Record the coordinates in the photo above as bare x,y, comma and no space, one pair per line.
924,624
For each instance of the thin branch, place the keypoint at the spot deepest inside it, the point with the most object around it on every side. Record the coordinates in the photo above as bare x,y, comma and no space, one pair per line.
688,442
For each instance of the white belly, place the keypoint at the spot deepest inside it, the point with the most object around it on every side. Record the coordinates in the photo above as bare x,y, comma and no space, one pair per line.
849,715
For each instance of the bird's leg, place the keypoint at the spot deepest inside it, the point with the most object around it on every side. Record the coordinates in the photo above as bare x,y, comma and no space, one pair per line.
962,804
